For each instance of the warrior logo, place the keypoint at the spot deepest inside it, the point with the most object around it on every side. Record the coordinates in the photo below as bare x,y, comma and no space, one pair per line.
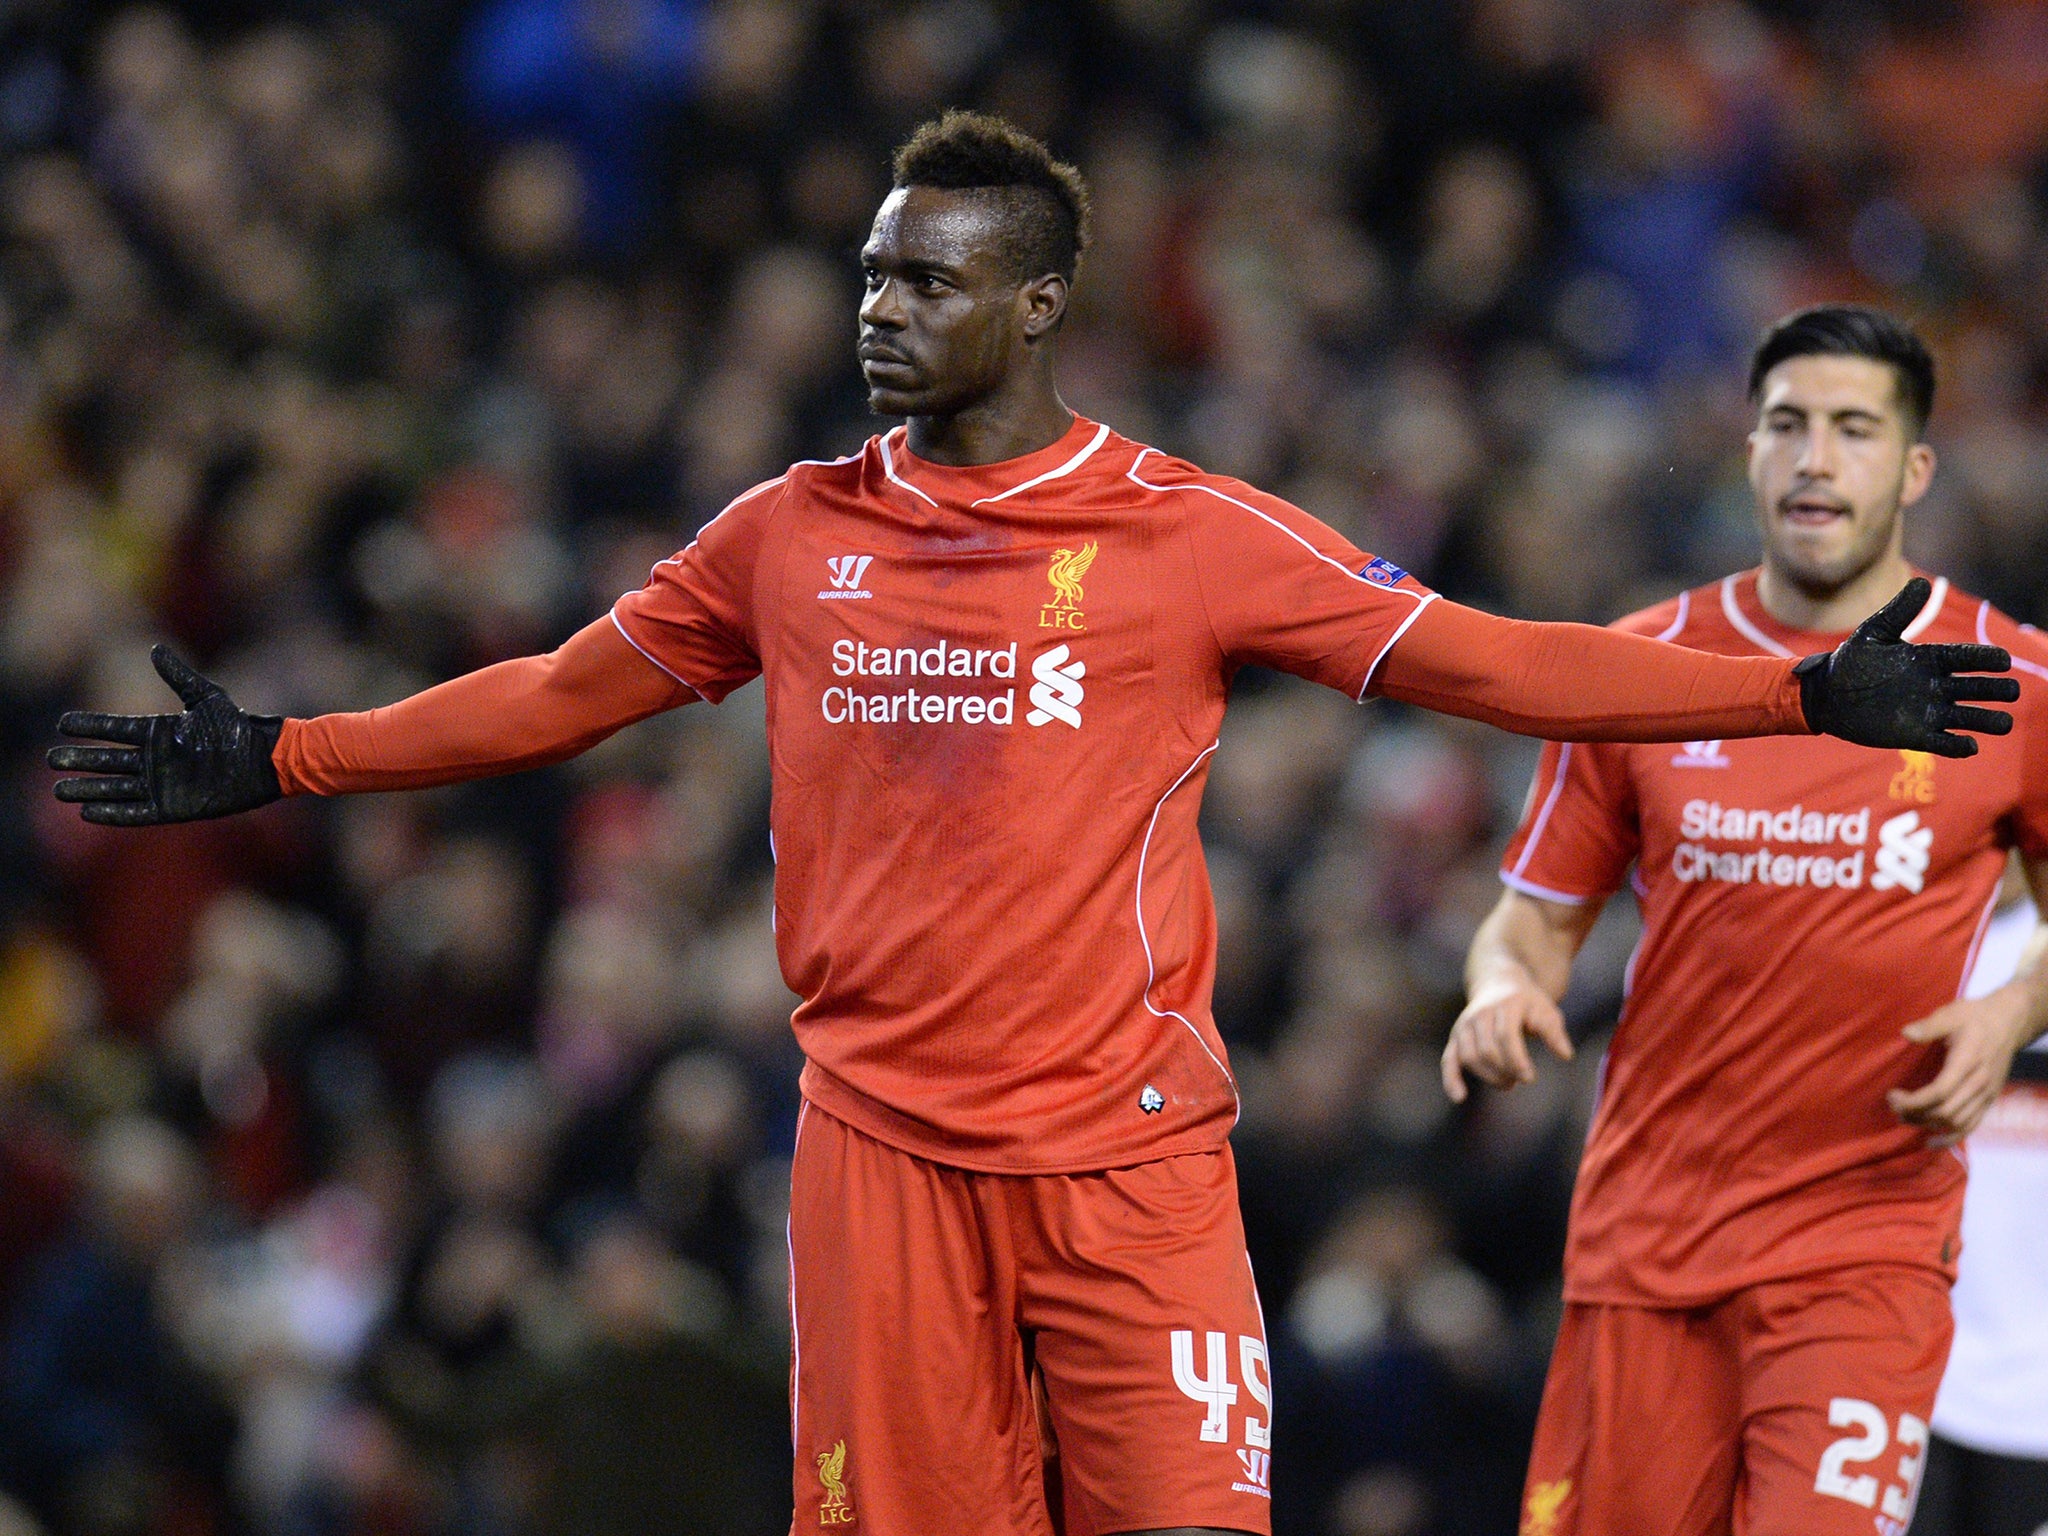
847,571
1057,694
1701,754
1068,567
836,1510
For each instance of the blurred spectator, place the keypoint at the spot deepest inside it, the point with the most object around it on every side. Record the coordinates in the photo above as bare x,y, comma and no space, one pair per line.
598,73
1412,1361
654,1426
107,1423
479,1313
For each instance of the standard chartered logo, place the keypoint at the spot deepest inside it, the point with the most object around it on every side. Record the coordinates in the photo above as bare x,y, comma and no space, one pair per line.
1056,692
1902,853
1779,839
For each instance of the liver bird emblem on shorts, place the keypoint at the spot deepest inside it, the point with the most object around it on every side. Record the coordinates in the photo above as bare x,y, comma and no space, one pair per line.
1068,567
1539,1515
832,1473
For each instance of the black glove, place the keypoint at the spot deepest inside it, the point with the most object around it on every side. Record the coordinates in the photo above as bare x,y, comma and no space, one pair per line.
212,760
1877,691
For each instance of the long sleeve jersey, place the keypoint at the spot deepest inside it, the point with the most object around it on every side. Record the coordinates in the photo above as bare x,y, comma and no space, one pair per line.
993,694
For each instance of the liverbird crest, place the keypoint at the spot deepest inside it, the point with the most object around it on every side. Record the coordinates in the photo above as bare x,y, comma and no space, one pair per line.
832,1473
1068,567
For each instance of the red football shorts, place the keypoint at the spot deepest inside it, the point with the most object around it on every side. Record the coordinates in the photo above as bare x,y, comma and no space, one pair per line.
1797,1408
1020,1355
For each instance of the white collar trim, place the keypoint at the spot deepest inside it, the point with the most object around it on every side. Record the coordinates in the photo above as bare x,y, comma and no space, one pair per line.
1101,436
1913,631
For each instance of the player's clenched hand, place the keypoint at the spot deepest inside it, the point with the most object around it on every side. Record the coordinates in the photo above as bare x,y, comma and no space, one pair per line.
1490,1038
1982,1034
1878,691
212,760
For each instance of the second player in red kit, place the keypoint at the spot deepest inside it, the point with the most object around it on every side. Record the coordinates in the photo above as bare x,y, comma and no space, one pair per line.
1766,1219
996,645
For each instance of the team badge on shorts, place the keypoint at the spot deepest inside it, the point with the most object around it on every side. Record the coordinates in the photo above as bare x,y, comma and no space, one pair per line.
1539,1515
837,1508
1383,573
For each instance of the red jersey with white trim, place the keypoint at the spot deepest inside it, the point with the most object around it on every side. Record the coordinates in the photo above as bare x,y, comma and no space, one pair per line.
992,696
1803,900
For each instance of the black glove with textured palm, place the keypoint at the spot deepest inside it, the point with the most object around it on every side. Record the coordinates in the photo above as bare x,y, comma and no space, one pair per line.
212,760
1877,690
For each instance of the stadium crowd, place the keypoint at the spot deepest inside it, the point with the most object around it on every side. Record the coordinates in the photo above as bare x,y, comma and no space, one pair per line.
418,1164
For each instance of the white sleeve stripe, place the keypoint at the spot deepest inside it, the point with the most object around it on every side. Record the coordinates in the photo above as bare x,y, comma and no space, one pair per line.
1564,761
1515,882
1677,626
747,496
677,558
649,654
1131,474
1428,598
744,496
1101,436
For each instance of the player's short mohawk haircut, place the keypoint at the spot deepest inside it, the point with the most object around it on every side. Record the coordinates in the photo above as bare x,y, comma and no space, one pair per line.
1852,330
1046,199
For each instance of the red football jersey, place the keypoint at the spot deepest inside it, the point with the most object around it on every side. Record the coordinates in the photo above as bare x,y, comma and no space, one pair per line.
1803,900
992,695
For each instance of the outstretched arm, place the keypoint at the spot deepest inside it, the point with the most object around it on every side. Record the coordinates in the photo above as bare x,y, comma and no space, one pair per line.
518,714
215,759
1573,682
1517,970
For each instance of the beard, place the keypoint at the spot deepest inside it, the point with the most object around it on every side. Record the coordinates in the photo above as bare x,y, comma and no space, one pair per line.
1820,576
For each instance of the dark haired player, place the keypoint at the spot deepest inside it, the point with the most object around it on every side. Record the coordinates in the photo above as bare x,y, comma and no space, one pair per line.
996,644
1764,1230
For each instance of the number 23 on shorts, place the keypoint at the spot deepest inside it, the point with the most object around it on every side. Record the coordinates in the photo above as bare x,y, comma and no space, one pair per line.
1837,1479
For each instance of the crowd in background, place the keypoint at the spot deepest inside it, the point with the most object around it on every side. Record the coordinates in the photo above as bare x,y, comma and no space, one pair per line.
417,1165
